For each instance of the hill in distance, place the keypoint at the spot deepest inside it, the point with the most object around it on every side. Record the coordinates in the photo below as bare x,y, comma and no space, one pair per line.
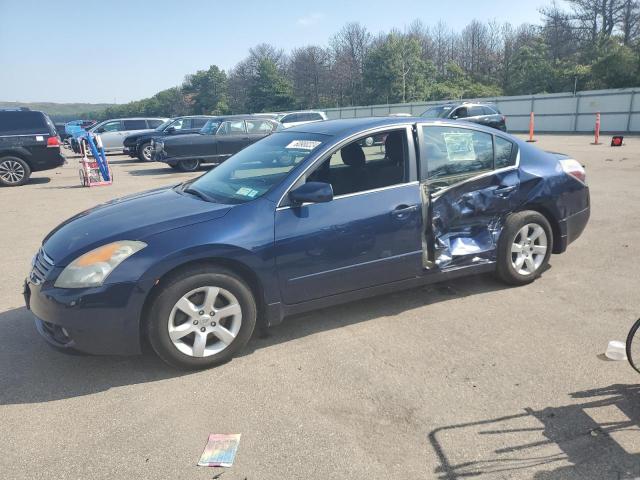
60,112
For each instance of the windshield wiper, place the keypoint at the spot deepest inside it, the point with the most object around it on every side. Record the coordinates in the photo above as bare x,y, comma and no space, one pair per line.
198,193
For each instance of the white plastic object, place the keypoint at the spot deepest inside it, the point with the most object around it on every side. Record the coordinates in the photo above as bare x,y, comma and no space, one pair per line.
616,350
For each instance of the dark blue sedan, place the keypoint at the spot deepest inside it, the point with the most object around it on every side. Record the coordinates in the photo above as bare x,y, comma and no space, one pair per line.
306,218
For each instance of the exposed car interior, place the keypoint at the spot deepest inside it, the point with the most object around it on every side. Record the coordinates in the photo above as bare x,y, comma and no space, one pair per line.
356,168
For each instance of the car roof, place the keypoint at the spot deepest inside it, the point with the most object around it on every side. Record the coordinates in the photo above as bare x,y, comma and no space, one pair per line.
240,117
350,126
134,118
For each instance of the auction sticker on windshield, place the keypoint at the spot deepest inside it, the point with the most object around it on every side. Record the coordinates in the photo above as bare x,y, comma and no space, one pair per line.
459,146
303,144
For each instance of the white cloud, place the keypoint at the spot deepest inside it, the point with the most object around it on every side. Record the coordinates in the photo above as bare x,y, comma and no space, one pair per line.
310,19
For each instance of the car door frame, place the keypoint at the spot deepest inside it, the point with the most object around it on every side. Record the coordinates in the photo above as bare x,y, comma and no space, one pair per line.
506,178
410,261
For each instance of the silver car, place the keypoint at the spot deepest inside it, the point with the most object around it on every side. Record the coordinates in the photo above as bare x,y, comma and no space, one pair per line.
113,132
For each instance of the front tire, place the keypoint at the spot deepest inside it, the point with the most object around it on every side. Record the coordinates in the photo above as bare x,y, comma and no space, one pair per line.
524,247
145,152
201,318
13,171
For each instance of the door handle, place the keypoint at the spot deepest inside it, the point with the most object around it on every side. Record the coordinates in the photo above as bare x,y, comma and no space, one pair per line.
403,211
502,191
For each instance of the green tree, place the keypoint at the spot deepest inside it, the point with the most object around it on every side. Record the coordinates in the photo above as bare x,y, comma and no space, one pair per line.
395,72
616,66
270,90
206,91
531,70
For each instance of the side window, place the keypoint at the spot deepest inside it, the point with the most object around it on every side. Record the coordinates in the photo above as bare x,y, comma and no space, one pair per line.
358,167
154,123
460,113
294,117
476,111
135,125
232,127
198,122
309,117
450,151
110,127
259,127
182,124
505,153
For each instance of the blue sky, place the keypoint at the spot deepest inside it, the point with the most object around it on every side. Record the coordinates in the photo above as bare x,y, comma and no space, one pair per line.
116,50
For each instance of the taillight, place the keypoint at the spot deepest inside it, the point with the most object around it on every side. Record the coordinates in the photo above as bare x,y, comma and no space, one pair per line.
53,142
573,168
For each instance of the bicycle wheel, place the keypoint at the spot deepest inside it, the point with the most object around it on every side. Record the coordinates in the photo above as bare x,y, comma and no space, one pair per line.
633,346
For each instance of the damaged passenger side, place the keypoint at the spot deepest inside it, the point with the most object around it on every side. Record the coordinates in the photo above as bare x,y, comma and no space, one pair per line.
469,184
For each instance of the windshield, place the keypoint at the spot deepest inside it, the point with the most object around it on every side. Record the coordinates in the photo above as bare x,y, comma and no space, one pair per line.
210,127
254,171
437,112
164,125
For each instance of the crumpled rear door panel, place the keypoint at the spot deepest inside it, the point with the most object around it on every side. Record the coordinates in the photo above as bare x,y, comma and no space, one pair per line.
465,219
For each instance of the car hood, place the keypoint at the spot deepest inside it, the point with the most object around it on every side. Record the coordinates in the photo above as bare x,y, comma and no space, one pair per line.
132,139
134,217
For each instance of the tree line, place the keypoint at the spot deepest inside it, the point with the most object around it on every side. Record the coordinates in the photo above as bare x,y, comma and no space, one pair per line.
591,44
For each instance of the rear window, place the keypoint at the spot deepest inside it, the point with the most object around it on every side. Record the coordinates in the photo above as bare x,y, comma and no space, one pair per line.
23,123
489,111
135,125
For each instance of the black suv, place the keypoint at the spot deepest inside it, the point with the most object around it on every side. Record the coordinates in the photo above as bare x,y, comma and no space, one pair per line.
28,143
139,144
483,113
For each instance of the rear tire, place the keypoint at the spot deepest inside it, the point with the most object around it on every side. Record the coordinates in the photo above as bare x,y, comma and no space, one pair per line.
180,325
13,171
145,152
524,247
188,165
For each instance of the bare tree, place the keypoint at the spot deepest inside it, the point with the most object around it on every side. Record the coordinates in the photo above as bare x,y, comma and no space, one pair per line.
350,47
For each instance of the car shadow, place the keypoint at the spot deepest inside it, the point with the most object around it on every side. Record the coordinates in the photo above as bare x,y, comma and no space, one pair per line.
372,308
33,372
38,180
566,442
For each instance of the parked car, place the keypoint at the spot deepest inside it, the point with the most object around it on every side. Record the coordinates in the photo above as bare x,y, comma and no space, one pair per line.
113,132
482,113
29,143
192,268
139,144
220,138
293,119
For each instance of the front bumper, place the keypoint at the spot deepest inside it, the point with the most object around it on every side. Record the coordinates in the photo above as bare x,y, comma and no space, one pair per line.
131,151
103,320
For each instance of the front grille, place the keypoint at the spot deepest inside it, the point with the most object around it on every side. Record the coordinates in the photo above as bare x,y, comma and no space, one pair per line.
42,265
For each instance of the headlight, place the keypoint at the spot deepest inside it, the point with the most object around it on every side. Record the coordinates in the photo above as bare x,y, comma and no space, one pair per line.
92,268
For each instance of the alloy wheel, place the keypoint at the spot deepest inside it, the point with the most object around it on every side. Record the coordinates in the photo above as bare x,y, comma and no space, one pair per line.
146,152
204,321
529,249
11,171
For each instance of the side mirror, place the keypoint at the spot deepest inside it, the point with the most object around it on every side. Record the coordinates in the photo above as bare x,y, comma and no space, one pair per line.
312,192
170,130
99,130
454,117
